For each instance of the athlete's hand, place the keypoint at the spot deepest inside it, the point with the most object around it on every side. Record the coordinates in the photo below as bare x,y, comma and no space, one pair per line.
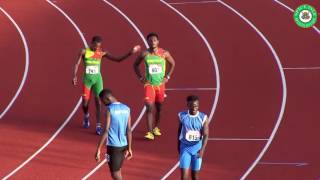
97,156
200,153
143,80
136,49
128,154
165,80
75,81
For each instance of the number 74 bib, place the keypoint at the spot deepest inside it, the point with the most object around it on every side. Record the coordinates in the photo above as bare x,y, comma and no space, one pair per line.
193,135
92,70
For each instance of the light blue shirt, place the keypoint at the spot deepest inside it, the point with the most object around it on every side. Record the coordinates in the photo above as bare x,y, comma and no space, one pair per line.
119,113
191,131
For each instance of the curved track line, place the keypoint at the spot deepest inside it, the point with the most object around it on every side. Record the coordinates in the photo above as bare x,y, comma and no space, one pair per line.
284,89
70,115
26,67
216,67
290,9
144,108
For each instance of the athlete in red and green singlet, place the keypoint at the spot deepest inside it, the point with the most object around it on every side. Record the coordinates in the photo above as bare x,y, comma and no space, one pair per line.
92,79
154,81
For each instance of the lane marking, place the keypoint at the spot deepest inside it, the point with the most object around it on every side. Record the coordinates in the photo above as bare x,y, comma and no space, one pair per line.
70,115
144,108
26,67
284,90
216,68
302,68
192,2
298,164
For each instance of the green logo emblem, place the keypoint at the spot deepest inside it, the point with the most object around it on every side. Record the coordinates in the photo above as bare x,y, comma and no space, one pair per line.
305,16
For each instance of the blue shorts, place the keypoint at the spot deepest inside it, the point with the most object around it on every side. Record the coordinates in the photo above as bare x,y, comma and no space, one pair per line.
189,156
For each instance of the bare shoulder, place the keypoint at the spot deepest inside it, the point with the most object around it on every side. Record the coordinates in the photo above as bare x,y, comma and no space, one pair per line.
144,53
82,51
166,53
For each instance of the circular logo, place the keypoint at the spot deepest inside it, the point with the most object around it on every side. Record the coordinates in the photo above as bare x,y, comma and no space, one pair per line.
305,16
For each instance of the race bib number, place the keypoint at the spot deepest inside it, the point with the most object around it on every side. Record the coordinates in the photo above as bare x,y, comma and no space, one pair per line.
155,69
92,70
193,136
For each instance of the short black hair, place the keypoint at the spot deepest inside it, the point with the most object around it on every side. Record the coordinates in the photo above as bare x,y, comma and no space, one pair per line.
105,93
96,39
192,98
152,34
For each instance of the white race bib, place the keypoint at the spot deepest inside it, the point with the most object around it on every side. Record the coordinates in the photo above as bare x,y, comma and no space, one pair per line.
193,135
92,70
155,69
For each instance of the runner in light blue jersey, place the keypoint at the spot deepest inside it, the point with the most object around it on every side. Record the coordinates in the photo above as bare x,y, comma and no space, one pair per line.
118,133
193,136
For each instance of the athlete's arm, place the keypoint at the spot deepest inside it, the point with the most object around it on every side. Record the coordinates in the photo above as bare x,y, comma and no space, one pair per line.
172,63
104,136
129,154
179,132
205,133
76,67
123,57
137,64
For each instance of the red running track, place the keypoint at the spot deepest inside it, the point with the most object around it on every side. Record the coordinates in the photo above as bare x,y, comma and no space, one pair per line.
249,101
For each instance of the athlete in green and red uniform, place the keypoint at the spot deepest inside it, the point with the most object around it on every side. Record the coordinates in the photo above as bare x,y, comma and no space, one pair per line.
92,79
155,59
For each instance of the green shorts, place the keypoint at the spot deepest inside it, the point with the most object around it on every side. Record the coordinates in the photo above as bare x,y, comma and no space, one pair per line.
94,83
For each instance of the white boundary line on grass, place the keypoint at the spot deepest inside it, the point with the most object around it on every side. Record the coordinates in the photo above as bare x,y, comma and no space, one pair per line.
26,67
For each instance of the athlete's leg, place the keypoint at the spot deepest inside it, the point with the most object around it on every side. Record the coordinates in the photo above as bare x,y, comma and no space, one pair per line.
184,174
116,175
97,88
85,106
159,99
86,99
116,157
98,108
195,165
158,113
149,114
185,161
149,103
195,175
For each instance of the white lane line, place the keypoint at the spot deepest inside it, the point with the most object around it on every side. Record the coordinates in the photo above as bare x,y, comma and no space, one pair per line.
216,68
298,164
192,2
302,68
284,89
191,89
290,9
237,139
71,114
46,144
26,67
144,108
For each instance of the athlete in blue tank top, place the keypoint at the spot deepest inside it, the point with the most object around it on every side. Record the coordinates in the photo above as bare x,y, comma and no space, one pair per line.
193,136
118,133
